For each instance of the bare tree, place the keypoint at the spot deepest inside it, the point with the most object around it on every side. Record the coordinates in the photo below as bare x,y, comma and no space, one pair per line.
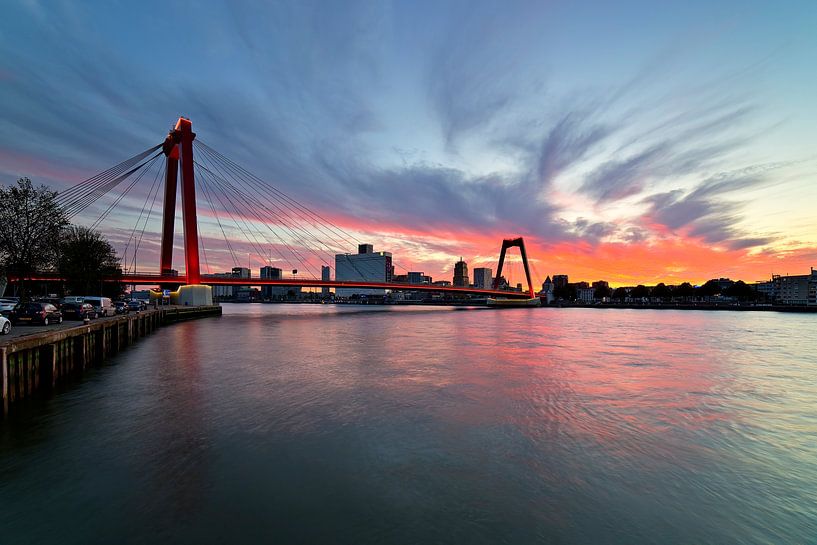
86,258
30,226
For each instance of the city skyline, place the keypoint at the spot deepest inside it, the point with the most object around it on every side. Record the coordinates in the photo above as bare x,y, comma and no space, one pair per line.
686,160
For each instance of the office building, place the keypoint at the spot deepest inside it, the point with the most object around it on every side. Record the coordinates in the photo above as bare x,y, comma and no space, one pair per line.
241,272
560,281
483,278
222,292
418,278
365,266
277,293
270,273
326,276
461,274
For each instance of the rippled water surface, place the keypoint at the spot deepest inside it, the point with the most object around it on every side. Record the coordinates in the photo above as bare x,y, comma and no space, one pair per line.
323,424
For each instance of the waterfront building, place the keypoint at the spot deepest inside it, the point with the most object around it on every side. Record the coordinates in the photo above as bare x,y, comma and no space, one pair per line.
483,278
796,290
461,274
766,289
272,273
790,290
241,272
277,293
365,266
418,278
442,283
246,294
560,281
326,276
600,284
547,290
222,292
585,294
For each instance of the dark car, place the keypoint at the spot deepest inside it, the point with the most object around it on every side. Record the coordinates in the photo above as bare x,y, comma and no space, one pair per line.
135,305
36,313
121,307
78,311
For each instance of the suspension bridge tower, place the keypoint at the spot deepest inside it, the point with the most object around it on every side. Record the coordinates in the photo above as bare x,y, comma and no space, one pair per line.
178,150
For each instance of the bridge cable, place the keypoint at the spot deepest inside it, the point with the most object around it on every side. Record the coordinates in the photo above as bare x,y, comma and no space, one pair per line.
132,236
215,181
150,210
125,192
279,212
78,205
299,217
63,197
291,229
257,245
283,196
209,199
269,187
284,259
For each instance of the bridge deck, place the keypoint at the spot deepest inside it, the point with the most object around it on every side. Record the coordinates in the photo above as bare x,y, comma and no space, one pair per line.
154,279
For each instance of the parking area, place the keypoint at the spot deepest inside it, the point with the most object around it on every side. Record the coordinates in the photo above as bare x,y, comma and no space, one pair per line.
22,330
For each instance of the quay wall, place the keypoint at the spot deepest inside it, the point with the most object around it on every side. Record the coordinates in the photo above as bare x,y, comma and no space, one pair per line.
38,362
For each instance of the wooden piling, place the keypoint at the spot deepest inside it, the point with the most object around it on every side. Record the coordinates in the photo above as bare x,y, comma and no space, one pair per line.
38,362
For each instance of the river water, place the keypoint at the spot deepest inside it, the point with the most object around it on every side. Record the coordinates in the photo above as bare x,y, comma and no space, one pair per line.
352,424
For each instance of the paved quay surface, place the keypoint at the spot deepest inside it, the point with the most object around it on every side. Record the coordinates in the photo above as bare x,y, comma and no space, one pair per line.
25,330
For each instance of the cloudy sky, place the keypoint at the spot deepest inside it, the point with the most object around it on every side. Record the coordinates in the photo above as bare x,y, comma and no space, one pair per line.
629,141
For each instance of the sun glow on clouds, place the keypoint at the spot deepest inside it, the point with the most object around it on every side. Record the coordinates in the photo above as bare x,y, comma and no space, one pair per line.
624,145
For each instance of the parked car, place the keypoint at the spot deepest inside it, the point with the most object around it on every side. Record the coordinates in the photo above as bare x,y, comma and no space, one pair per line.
6,306
121,307
78,311
103,305
35,313
5,325
72,299
135,305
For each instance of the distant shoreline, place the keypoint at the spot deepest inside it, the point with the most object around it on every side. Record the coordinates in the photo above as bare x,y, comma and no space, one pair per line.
480,304
671,306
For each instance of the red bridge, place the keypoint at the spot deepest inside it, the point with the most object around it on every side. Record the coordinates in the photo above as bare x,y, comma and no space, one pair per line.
296,233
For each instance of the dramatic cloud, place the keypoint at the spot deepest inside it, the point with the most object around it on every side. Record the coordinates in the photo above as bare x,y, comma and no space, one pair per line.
437,129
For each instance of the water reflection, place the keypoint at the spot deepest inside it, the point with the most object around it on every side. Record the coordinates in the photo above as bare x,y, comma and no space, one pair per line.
320,423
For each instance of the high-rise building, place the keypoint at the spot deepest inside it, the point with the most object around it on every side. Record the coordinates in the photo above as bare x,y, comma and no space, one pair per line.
365,266
461,274
270,273
326,276
560,281
241,272
277,293
483,278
